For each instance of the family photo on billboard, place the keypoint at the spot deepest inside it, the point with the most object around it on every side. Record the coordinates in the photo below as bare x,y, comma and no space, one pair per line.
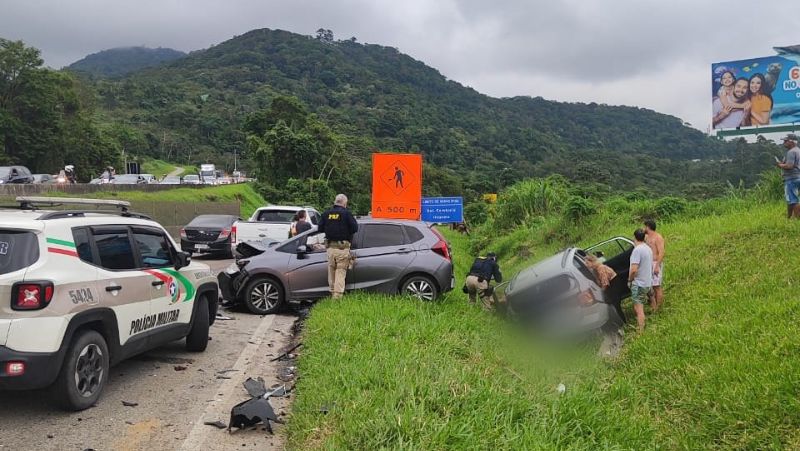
757,92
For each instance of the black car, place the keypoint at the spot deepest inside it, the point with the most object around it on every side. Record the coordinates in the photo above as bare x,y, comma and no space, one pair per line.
209,234
15,174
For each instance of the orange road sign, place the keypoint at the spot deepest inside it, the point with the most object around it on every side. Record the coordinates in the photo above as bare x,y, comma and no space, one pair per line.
396,185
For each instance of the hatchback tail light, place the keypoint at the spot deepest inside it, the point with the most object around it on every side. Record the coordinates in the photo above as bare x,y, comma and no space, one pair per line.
441,246
31,295
183,233
233,234
224,233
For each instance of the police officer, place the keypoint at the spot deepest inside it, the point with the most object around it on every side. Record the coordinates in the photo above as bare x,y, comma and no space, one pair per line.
338,225
477,283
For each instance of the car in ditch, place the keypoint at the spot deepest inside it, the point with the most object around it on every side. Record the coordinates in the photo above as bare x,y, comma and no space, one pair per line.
393,257
560,295
85,289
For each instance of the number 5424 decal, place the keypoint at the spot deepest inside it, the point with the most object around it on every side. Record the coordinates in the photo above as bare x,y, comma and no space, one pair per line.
82,296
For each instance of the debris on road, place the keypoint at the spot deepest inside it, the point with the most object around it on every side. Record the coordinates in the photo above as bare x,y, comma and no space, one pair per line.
221,317
257,409
217,424
129,404
288,354
179,368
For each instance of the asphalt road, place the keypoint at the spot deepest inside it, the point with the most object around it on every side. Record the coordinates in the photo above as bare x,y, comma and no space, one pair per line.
176,392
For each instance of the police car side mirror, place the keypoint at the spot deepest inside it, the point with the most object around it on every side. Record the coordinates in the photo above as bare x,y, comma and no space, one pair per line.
182,260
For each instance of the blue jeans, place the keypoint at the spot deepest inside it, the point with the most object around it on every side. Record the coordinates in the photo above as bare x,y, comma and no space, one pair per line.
792,188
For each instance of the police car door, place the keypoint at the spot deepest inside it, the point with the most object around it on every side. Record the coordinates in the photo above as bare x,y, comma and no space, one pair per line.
122,286
170,292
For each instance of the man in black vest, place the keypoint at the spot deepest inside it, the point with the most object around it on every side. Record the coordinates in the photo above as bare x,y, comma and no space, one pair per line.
339,226
483,270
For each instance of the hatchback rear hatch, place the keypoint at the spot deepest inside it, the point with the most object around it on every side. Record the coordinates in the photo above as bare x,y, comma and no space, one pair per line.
19,249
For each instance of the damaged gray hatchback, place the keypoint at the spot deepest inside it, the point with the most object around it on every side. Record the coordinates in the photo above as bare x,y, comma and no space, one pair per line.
392,257
560,295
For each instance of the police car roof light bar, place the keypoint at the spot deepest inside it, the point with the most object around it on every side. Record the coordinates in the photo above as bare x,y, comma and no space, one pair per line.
30,203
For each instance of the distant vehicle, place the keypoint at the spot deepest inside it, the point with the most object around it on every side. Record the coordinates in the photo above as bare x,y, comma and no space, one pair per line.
170,180
560,294
208,174
129,179
209,234
43,179
191,179
149,178
15,174
270,223
406,257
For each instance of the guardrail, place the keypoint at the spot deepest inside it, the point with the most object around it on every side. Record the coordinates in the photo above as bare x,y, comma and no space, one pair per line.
77,189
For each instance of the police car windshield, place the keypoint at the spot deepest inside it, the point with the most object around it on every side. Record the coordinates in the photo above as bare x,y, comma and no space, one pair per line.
17,250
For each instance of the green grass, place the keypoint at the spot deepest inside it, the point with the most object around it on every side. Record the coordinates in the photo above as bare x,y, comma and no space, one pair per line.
160,168
716,368
244,193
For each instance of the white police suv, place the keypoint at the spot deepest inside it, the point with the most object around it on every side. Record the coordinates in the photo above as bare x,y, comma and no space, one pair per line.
81,290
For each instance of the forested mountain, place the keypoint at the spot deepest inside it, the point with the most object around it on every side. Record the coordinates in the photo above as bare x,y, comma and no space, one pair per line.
304,114
123,60
195,107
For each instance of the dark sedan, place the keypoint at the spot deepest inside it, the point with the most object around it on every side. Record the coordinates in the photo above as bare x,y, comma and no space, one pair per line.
209,234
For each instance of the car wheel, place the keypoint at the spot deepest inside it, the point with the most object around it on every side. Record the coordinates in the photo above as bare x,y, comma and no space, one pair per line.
420,287
197,340
84,372
264,296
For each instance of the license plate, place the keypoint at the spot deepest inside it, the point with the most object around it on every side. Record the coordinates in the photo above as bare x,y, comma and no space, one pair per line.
201,246
452,282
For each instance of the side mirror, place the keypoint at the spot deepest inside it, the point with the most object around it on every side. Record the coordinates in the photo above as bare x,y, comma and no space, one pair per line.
182,260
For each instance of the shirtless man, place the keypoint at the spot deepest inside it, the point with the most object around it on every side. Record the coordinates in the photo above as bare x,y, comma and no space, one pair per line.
656,243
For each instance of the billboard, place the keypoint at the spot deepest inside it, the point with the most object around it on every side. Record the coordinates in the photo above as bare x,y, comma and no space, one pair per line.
757,92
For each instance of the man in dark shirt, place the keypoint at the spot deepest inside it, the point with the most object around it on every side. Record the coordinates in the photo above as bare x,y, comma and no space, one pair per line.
483,270
339,226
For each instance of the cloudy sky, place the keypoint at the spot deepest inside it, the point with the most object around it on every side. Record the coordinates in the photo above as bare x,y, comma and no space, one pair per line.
653,54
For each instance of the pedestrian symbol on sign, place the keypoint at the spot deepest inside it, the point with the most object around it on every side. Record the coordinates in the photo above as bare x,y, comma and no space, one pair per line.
397,177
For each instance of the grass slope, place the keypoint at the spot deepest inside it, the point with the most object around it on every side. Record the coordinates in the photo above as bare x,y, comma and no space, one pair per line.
160,168
717,368
244,193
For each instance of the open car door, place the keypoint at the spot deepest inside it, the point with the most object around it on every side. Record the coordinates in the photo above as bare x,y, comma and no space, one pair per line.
615,253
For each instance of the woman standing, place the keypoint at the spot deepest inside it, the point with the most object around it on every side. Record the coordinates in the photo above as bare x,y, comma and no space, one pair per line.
760,102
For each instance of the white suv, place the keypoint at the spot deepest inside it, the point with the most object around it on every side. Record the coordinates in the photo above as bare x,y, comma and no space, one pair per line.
81,290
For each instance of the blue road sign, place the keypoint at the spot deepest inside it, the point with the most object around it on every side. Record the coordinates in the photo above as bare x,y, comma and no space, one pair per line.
443,209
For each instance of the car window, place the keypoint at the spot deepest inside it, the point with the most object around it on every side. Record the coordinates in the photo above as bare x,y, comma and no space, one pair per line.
154,249
276,216
114,249
82,245
610,249
413,233
380,235
212,221
578,262
17,250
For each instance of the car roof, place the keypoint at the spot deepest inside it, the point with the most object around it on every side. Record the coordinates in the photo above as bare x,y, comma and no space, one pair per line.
29,219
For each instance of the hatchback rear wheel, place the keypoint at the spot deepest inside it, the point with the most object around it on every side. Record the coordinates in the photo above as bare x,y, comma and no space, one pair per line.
420,287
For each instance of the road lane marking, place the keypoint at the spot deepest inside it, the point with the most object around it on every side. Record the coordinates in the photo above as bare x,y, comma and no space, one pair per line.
230,389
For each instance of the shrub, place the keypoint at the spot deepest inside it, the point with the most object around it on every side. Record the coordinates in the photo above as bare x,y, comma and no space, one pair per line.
578,208
530,198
